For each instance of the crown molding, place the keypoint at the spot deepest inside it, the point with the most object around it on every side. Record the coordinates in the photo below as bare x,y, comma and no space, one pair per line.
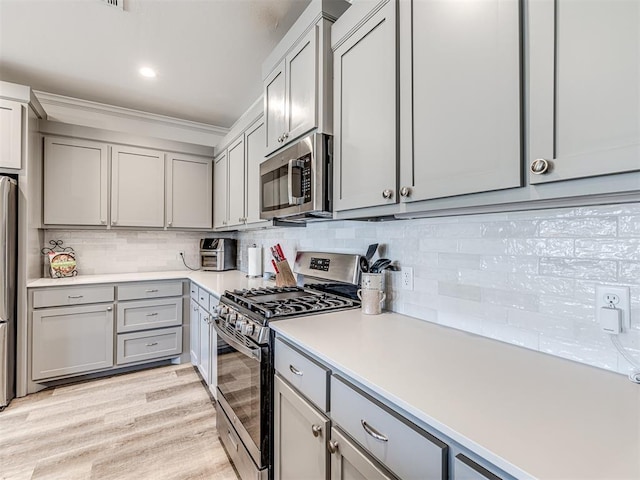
101,108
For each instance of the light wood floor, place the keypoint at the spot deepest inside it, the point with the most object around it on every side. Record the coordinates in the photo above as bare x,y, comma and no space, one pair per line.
154,424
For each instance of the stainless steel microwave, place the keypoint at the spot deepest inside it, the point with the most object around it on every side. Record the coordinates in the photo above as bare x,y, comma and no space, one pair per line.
295,183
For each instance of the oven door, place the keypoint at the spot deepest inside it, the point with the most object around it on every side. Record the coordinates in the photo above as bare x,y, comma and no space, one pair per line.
243,390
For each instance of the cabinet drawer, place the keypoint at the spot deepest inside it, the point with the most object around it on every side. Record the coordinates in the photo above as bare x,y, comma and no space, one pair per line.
203,298
309,377
466,469
148,314
139,346
213,302
408,451
136,291
60,296
193,291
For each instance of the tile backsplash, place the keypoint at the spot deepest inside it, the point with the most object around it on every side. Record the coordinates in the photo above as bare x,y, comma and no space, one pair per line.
526,278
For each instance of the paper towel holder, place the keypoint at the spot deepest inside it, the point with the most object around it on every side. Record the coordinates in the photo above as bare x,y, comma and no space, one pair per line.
254,262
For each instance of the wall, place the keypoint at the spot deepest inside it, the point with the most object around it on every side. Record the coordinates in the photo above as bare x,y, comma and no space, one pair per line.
124,251
526,278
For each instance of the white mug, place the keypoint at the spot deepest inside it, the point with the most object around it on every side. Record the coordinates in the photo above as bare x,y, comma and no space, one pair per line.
372,301
371,281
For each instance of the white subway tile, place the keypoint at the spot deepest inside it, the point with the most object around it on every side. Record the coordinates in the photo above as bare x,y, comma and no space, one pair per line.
578,227
468,292
618,249
511,299
509,263
510,229
602,270
630,272
540,247
629,226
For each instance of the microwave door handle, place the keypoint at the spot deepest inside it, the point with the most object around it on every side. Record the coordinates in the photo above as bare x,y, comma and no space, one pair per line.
292,200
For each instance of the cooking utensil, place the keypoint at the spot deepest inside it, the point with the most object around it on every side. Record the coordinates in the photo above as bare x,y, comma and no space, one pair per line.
371,251
379,265
364,264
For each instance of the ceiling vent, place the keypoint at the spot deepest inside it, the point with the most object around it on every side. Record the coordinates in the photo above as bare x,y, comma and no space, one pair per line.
119,4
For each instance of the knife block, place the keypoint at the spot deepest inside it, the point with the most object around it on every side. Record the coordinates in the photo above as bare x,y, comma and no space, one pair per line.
285,277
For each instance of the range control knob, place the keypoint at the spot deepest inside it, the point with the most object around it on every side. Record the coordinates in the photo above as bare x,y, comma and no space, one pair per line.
240,324
232,318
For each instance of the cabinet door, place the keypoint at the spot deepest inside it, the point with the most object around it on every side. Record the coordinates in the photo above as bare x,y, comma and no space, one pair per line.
274,108
204,344
213,349
300,436
584,87
466,469
71,340
76,182
460,93
220,212
349,463
302,87
10,134
365,114
189,187
137,187
194,332
235,157
254,147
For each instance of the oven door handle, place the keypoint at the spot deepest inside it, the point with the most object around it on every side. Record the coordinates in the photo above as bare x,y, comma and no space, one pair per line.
293,200
254,353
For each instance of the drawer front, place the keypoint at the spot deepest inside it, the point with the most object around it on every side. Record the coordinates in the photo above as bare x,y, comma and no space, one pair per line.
60,296
309,377
193,291
466,469
149,314
203,298
139,346
135,291
406,450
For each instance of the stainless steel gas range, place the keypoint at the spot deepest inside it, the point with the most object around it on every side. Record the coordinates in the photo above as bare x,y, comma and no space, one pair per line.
245,357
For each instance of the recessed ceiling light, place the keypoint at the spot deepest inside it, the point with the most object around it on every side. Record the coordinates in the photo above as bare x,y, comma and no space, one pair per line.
147,72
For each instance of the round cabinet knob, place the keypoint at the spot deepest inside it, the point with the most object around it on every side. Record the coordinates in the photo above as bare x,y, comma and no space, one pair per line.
540,166
285,135
405,192
114,222
169,224
387,194
316,430
332,446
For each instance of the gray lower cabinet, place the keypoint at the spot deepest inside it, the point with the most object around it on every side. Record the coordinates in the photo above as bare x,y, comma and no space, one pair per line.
149,314
348,462
365,106
584,88
204,344
466,469
300,435
71,340
194,331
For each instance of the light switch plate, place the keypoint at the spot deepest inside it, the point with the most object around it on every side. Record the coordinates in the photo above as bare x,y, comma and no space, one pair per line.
618,297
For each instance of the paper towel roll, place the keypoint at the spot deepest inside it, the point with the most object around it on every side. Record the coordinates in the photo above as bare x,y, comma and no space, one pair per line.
254,264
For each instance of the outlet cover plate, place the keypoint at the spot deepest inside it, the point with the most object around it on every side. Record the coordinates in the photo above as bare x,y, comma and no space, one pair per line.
624,303
406,278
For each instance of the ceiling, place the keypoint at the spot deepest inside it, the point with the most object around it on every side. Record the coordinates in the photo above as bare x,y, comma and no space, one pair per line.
208,54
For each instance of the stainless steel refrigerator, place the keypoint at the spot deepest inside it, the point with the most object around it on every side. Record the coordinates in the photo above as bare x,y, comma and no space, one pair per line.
8,260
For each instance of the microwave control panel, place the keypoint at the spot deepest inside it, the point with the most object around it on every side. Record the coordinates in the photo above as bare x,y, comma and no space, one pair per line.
306,176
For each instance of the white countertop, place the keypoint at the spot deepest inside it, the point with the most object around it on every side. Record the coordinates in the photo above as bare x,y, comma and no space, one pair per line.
215,282
531,414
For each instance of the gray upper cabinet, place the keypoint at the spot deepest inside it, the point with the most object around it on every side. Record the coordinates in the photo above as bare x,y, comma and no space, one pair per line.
137,187
188,191
236,182
76,182
460,97
365,105
584,88
10,134
220,211
254,150
275,107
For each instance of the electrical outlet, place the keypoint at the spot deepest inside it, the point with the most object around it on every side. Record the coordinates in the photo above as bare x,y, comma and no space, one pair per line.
609,296
406,278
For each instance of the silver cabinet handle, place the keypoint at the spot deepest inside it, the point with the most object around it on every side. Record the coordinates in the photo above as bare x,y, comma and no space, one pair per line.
316,430
240,219
373,432
195,309
387,194
233,442
114,222
151,290
169,224
151,344
405,192
74,296
332,446
153,314
280,139
540,166
109,309
295,371
103,222
285,135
